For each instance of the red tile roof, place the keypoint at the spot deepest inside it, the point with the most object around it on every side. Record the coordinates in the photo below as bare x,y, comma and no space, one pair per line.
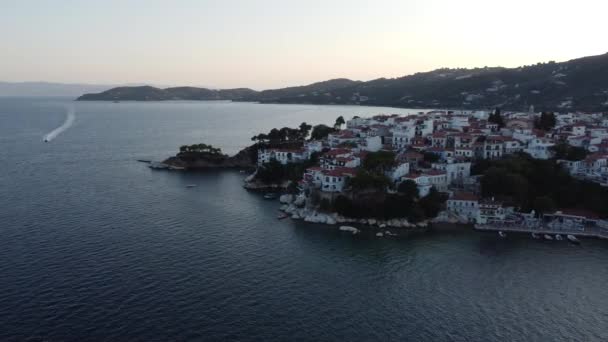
464,196
340,171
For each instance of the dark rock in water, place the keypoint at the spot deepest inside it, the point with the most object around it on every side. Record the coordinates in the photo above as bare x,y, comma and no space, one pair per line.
245,159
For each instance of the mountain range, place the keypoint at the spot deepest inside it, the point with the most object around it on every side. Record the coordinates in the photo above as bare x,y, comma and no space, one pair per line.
578,84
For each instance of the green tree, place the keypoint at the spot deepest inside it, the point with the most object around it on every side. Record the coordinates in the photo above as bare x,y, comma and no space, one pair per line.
344,206
432,203
339,122
408,188
543,204
325,205
365,180
563,150
430,157
497,118
321,132
379,162
546,121
304,130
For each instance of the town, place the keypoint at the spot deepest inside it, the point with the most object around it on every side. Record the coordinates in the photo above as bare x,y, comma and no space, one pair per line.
437,153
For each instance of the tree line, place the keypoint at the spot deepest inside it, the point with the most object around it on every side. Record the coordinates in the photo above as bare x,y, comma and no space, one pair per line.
200,148
540,185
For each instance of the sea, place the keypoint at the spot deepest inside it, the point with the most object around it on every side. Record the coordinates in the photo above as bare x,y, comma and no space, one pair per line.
95,246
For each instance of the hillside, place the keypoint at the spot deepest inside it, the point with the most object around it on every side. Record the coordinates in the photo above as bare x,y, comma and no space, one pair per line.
579,84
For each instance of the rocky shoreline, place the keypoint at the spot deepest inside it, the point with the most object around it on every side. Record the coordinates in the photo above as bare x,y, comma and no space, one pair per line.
295,207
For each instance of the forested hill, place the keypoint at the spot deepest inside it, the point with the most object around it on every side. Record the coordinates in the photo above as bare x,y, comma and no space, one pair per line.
148,93
579,84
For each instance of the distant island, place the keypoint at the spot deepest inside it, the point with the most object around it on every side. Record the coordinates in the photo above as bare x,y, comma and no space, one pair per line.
578,84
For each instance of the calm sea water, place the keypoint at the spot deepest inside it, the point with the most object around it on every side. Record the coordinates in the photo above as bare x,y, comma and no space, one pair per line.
95,246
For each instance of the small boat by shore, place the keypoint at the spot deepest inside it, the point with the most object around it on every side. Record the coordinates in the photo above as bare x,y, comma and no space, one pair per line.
535,236
270,196
282,216
502,234
558,237
147,161
548,237
573,239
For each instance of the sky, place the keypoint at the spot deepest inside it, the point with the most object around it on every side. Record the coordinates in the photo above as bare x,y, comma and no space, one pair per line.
265,44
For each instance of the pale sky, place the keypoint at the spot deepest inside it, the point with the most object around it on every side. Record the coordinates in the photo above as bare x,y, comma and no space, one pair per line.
276,43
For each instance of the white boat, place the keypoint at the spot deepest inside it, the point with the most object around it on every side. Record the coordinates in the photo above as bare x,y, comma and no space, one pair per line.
502,234
270,196
548,237
572,239
558,237
536,236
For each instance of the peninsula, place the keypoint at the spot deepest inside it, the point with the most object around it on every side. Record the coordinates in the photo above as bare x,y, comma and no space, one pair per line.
511,171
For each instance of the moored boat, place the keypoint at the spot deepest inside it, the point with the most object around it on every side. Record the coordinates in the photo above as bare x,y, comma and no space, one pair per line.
270,195
548,237
502,234
573,239
535,236
558,237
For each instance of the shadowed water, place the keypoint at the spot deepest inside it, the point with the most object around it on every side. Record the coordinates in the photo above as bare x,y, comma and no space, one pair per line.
95,246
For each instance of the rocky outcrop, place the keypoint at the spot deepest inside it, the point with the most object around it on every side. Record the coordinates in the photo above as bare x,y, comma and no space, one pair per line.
287,198
299,212
245,159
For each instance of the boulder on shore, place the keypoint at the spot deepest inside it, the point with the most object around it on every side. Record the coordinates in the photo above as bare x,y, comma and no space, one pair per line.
300,201
286,199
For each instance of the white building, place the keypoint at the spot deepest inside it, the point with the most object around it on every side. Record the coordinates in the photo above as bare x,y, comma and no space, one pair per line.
372,144
402,169
422,183
402,137
464,205
283,156
437,179
490,211
455,170
335,180
540,148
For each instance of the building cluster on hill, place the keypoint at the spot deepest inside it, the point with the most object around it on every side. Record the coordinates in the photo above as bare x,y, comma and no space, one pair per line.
438,149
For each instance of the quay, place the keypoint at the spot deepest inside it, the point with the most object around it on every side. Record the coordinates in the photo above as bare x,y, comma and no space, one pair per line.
585,231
